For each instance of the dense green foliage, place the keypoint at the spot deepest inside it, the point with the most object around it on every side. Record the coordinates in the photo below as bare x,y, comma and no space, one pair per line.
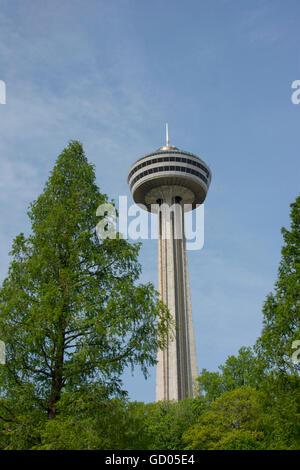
281,311
71,312
242,370
73,317
232,420
90,422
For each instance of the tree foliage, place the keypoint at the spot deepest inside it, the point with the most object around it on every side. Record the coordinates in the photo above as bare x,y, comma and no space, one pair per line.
166,422
90,420
231,422
238,371
71,311
281,311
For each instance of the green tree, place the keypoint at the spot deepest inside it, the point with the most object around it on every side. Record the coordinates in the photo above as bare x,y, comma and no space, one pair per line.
231,423
281,311
280,401
89,420
71,311
210,385
242,370
166,421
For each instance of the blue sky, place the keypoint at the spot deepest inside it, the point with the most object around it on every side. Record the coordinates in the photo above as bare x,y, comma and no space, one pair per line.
111,74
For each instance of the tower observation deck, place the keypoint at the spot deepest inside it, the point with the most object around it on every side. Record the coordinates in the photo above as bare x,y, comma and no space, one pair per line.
169,182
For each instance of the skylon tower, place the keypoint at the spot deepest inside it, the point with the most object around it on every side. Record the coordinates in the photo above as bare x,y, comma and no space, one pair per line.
169,182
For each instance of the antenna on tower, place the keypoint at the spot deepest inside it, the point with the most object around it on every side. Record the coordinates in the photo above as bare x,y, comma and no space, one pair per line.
167,135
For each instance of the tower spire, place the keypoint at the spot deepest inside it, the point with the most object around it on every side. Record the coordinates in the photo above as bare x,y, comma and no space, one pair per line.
167,135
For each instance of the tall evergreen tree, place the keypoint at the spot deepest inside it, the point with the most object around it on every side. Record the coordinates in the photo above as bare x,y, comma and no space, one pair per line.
71,311
281,322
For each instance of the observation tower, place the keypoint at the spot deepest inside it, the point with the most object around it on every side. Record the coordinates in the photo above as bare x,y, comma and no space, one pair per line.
170,182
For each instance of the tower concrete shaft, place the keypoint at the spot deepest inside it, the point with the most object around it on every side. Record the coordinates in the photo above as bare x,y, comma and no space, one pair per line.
177,363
